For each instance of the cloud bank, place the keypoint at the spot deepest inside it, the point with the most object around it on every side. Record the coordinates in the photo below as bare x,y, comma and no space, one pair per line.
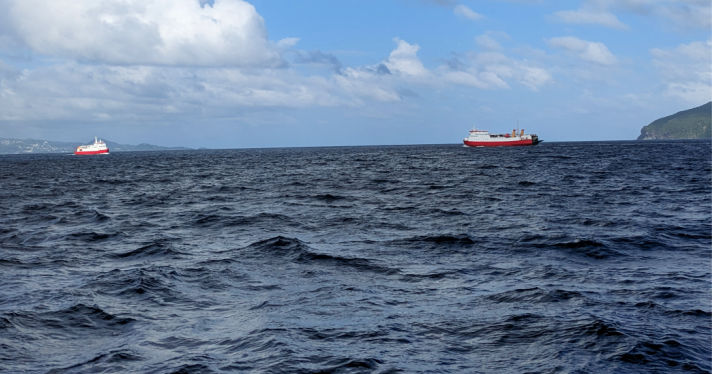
128,61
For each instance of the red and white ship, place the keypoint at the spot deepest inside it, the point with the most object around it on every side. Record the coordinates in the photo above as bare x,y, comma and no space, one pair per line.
482,138
99,147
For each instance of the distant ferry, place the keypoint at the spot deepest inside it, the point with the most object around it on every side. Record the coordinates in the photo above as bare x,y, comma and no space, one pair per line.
99,147
482,138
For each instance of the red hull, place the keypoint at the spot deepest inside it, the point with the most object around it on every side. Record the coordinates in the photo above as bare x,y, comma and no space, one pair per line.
499,143
92,152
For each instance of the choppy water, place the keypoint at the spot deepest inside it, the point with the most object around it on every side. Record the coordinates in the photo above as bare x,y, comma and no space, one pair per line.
564,257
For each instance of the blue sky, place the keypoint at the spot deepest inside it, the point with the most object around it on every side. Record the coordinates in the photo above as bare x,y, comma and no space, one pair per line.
268,73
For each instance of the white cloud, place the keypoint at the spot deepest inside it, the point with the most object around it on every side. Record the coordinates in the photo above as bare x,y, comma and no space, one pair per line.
77,91
493,70
684,14
533,77
366,84
591,16
488,42
72,90
478,79
595,52
463,11
159,32
404,60
287,42
145,93
688,14
686,71
465,78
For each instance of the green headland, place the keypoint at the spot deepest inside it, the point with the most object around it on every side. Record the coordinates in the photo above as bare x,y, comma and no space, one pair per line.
694,123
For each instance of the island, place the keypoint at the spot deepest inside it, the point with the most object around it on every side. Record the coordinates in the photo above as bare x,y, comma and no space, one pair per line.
19,146
694,123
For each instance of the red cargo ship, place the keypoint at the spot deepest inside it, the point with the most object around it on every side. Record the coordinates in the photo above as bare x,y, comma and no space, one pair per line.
482,138
99,147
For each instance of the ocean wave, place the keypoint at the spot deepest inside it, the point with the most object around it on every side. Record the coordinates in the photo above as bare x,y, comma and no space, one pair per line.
449,212
112,361
174,342
329,198
664,354
259,340
297,251
347,365
157,248
152,284
335,334
79,316
211,275
690,313
535,295
592,248
687,313
92,215
263,218
92,236
115,181
38,207
15,263
438,240
542,333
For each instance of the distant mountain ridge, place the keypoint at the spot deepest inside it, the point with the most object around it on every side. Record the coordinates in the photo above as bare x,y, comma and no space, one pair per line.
18,146
693,123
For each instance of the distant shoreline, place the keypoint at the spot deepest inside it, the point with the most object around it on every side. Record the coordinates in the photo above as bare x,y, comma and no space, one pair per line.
180,149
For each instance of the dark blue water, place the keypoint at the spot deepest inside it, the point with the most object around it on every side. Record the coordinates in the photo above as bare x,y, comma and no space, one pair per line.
564,257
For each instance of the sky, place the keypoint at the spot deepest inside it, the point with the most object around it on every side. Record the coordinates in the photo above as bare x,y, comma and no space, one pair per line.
270,73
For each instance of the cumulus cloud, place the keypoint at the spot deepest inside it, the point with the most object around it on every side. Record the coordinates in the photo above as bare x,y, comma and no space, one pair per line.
160,32
491,40
688,14
487,42
590,16
492,70
404,60
685,71
386,80
595,52
317,57
533,77
367,84
465,12
73,90
98,92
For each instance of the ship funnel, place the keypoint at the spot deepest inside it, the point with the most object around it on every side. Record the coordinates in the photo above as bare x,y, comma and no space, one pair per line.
513,132
522,132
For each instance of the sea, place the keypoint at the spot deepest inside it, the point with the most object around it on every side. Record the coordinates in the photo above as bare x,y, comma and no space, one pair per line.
573,257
